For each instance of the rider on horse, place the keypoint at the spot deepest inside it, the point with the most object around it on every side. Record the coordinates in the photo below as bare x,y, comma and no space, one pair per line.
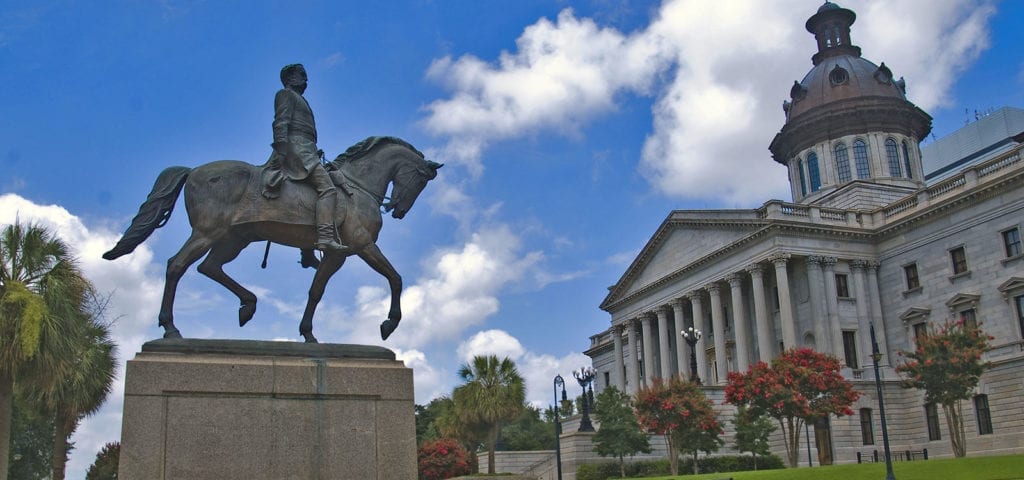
296,157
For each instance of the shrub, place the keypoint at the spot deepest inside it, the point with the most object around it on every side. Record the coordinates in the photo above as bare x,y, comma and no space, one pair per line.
650,468
442,458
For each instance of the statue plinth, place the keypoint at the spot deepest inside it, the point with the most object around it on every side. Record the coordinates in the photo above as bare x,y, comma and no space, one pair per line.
251,410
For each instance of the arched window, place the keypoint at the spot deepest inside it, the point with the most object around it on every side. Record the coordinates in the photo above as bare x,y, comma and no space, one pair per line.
843,163
860,158
803,181
893,154
812,171
906,160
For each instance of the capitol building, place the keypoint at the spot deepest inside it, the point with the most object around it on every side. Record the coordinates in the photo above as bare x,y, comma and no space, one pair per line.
880,232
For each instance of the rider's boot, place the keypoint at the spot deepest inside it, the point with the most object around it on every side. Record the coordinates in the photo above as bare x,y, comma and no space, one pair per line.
326,233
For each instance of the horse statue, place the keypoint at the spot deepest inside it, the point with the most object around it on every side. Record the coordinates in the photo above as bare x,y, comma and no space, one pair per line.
227,212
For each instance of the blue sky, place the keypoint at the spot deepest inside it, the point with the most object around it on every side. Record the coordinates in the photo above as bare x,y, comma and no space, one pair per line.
569,130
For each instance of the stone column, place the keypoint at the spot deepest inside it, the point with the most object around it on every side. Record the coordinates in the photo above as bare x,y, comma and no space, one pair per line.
697,306
663,346
785,301
617,379
739,317
633,373
645,330
765,332
876,309
832,302
863,306
682,349
718,325
816,284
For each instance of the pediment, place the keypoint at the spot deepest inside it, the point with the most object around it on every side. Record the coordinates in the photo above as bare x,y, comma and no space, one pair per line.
676,246
963,299
915,313
1014,284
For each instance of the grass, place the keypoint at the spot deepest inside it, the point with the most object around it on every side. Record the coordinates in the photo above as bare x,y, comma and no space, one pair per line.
1008,467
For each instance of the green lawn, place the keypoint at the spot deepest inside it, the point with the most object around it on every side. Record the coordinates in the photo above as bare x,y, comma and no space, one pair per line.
1008,467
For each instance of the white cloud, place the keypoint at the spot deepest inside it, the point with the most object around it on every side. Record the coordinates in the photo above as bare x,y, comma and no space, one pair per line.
428,381
134,288
731,65
490,342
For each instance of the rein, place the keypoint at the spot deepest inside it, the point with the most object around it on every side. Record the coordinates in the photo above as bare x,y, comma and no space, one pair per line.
379,199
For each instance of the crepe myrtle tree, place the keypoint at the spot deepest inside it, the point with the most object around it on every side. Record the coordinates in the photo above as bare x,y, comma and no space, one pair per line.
947,365
679,410
799,386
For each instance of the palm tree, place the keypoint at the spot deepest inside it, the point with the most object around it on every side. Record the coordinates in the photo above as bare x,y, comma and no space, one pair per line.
493,394
42,294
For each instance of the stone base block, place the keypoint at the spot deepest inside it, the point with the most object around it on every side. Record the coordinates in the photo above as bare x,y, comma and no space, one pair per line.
250,410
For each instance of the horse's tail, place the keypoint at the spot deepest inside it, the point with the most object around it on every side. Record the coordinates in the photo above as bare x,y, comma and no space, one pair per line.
154,212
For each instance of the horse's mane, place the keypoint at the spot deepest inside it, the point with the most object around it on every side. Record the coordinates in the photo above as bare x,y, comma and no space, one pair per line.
360,149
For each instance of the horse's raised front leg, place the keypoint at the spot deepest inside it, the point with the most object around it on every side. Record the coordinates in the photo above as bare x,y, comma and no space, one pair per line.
213,267
373,257
328,266
194,248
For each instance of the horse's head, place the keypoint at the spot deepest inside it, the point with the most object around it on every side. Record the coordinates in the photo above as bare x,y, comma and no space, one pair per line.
409,180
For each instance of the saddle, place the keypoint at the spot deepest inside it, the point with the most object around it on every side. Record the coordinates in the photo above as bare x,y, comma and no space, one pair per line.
293,202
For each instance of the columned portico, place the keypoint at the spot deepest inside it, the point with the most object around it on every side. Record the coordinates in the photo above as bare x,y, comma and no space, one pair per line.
832,302
819,319
697,306
876,308
740,320
633,371
718,325
645,330
617,379
861,291
785,301
765,333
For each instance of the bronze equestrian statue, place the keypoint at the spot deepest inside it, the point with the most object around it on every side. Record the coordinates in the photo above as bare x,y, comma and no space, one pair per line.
231,204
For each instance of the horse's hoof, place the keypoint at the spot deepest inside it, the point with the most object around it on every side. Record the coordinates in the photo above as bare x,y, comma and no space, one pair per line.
172,333
245,313
309,338
386,328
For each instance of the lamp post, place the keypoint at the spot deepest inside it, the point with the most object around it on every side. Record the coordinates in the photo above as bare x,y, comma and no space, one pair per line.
876,356
584,376
558,425
692,337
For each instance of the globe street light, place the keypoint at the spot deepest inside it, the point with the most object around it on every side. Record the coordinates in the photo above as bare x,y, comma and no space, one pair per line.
692,337
558,425
584,377
876,356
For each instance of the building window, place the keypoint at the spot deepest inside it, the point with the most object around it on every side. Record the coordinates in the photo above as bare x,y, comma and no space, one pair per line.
850,349
920,330
983,414
803,181
1011,242
906,160
813,173
969,318
607,379
843,163
775,298
860,159
867,435
893,154
1019,303
959,259
842,285
931,415
910,273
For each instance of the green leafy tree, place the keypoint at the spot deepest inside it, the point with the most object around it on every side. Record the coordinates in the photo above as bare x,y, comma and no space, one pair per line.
619,434
799,386
494,393
427,427
31,440
680,411
752,433
105,465
528,432
947,365
42,294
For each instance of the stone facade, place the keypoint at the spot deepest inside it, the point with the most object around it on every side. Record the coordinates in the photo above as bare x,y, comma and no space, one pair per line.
879,247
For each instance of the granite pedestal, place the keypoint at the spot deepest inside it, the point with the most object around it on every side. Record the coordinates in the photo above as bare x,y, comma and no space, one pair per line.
252,410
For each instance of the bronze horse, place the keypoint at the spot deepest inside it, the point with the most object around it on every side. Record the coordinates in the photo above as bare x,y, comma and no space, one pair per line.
227,213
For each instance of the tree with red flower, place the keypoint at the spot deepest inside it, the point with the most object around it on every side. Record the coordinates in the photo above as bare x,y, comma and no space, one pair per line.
679,410
947,365
799,386
443,458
